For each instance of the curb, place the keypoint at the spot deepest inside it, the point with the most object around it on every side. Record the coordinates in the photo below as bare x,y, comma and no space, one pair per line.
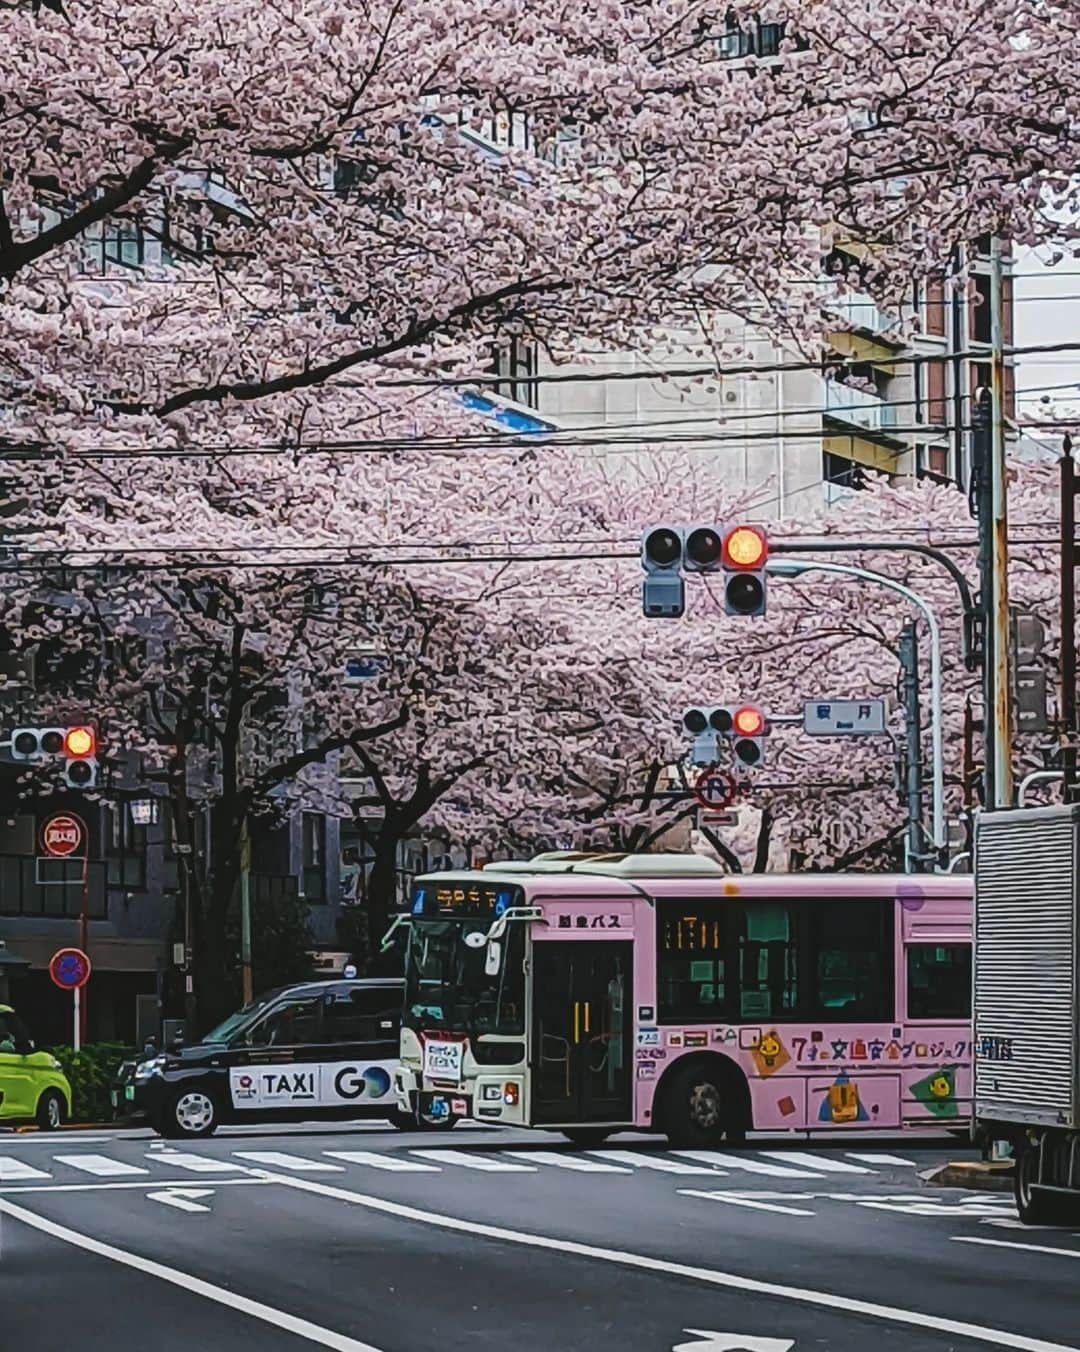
980,1175
67,1126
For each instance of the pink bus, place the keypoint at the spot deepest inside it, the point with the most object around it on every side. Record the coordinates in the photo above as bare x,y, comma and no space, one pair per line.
593,993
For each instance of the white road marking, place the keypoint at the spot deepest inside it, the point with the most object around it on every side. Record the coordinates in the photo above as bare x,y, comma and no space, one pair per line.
10,1169
281,1319
100,1165
183,1199
280,1159
826,1163
47,1138
732,1199
377,1161
198,1164
961,1209
568,1162
826,1300
112,1187
647,1161
474,1161
725,1161
873,1158
732,1342
1015,1244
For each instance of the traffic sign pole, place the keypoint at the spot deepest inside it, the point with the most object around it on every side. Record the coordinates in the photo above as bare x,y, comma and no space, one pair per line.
77,1031
69,968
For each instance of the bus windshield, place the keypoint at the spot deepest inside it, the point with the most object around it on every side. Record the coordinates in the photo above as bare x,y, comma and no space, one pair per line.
447,986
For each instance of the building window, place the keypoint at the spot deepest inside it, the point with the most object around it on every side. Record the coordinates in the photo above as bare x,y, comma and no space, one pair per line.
936,411
314,829
125,849
933,463
515,359
939,981
980,309
842,473
935,307
853,956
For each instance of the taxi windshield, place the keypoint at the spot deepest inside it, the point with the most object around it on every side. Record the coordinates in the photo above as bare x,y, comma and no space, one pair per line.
448,985
232,1025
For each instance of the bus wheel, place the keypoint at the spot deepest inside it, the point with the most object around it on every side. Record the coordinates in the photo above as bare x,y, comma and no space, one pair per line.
703,1105
586,1136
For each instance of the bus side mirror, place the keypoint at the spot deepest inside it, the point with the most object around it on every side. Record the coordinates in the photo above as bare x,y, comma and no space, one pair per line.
493,958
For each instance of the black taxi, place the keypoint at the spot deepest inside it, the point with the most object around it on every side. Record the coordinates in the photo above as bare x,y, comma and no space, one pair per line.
323,1049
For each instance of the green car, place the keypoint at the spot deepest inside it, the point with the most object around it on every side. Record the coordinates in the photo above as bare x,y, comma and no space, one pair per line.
33,1087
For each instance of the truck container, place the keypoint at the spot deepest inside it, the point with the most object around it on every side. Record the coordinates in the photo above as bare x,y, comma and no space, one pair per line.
1026,1025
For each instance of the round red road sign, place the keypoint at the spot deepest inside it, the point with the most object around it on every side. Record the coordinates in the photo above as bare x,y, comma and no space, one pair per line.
61,835
714,789
69,969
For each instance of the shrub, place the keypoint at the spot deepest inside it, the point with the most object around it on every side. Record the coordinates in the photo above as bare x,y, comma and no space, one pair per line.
90,1073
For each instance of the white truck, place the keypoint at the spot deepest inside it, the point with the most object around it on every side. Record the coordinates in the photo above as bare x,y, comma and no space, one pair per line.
1027,987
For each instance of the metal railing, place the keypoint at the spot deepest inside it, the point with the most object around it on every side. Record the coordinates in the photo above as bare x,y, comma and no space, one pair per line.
864,410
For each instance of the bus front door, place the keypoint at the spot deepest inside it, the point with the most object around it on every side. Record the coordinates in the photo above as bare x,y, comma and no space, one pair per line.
582,1058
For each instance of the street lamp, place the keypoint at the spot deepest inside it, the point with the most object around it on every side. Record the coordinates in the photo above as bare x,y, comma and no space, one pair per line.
792,568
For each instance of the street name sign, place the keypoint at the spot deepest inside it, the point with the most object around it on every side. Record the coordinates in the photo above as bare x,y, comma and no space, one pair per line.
844,717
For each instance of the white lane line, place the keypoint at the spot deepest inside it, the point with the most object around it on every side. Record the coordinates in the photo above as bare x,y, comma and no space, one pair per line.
568,1162
100,1165
723,1160
826,1300
43,1138
474,1161
112,1187
664,1166
732,1200
182,1199
10,1169
280,1159
377,1161
1015,1244
282,1319
198,1164
959,1210
826,1163
873,1158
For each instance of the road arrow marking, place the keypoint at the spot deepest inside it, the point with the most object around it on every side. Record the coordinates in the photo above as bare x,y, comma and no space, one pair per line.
183,1199
732,1342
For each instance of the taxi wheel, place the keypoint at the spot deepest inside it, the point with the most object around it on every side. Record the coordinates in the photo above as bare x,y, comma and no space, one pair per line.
50,1110
189,1113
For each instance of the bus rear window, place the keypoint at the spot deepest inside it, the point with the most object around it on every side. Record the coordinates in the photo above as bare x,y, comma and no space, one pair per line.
939,981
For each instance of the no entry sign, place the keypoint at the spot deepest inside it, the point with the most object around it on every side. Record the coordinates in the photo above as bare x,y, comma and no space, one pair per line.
69,969
62,835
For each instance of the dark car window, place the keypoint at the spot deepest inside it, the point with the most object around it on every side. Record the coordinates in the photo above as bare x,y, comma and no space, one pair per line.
363,1014
292,1022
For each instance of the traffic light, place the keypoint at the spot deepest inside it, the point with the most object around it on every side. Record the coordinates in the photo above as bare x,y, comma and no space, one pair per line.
748,729
77,745
706,724
745,553
663,595
702,550
80,746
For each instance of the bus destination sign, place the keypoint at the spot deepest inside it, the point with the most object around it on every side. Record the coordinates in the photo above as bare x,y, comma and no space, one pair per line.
465,899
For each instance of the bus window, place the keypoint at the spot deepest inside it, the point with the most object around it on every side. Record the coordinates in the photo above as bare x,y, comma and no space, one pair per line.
853,952
939,981
768,961
692,975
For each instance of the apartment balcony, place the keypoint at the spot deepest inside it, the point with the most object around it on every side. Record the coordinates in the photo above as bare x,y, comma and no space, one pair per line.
856,408
861,313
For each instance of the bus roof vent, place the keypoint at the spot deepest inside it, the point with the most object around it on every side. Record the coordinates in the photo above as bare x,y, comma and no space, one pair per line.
613,865
650,865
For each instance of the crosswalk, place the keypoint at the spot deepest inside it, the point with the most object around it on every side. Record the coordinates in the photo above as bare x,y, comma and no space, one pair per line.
791,1167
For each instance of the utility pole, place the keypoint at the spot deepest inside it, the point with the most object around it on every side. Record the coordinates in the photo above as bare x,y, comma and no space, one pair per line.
909,665
1068,616
998,709
245,912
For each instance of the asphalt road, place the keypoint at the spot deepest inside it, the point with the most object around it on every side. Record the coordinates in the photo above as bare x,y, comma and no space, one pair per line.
366,1240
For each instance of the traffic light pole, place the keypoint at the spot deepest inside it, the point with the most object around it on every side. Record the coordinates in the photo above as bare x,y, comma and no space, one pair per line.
793,569
909,662
1068,616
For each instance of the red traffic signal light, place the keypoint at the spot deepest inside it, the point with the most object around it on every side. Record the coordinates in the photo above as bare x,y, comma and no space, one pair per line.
745,554
79,743
748,729
748,721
